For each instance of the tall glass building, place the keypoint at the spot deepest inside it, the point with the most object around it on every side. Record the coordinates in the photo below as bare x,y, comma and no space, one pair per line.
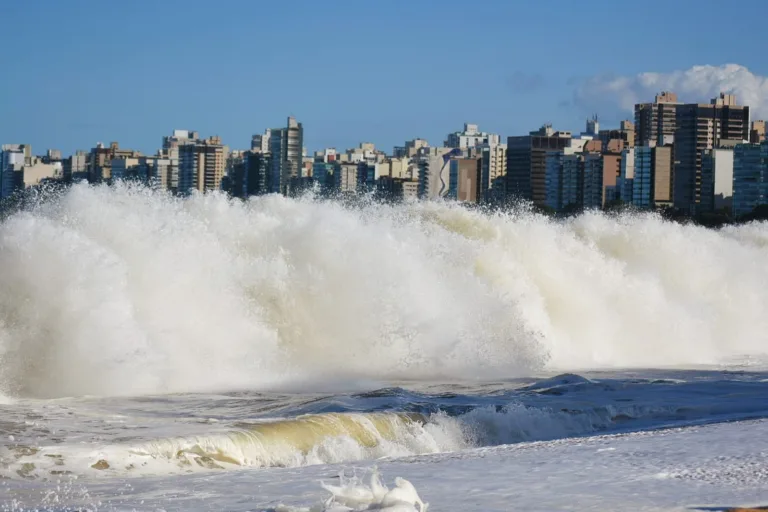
750,177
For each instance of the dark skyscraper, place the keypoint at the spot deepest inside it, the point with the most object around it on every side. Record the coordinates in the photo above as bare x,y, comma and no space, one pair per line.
526,162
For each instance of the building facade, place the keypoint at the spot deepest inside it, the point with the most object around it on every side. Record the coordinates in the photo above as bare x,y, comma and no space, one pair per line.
434,171
493,169
464,179
717,179
757,132
201,165
593,181
625,181
702,127
286,147
13,158
526,162
655,120
75,167
470,138
170,151
750,177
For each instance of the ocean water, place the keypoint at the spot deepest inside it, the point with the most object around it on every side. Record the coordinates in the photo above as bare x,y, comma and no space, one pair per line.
159,353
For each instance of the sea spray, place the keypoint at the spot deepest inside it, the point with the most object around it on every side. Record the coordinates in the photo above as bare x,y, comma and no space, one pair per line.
126,290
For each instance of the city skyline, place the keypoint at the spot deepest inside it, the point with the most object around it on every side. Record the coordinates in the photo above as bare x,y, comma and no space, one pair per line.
697,158
86,76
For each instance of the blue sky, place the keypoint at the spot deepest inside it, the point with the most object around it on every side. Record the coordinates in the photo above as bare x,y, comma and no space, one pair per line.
77,72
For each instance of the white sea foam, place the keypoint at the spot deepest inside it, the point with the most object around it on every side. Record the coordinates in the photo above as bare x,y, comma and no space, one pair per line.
122,290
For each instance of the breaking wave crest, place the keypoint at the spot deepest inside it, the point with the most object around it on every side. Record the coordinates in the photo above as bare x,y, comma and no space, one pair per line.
330,438
126,290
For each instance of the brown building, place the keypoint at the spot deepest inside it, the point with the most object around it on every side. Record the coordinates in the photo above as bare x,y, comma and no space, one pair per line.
100,160
465,179
662,176
202,165
757,132
625,133
611,165
526,162
655,120
701,127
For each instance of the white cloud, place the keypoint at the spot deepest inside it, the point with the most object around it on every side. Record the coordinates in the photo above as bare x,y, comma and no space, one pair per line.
607,94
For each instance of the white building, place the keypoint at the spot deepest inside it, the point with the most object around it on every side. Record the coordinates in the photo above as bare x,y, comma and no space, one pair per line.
13,157
345,176
76,167
470,137
286,145
434,171
562,177
260,143
625,181
716,179
493,167
365,152
124,168
37,172
170,151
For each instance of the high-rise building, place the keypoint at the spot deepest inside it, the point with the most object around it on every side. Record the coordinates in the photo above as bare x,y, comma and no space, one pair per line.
493,168
410,149
368,174
323,173
129,169
716,179
201,165
434,171
652,182
286,149
611,166
256,172
38,172
365,152
345,177
750,177
159,171
75,167
593,180
625,133
655,120
757,132
52,155
100,160
170,151
470,137
564,179
464,177
526,162
260,143
13,157
701,127
625,181
391,188
593,127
